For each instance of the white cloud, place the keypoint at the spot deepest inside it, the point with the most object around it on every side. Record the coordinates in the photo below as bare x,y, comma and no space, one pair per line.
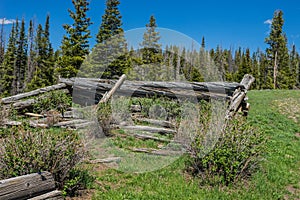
268,21
7,21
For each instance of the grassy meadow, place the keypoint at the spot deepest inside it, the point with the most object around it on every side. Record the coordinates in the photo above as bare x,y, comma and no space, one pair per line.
275,112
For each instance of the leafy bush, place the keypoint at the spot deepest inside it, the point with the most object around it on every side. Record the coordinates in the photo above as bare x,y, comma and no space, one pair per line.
26,151
155,104
77,179
235,154
104,116
55,100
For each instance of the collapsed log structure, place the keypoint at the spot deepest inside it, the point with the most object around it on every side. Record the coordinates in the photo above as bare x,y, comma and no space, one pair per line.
88,91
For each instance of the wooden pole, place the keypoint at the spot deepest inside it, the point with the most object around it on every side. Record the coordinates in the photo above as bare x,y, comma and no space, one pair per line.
109,94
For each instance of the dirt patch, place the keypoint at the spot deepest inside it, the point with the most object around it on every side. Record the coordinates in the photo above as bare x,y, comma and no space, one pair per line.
294,192
297,135
289,107
82,195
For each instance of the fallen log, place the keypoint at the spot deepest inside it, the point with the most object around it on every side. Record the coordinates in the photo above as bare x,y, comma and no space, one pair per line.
105,160
22,104
34,115
12,123
90,91
149,137
157,152
149,129
14,98
54,195
28,186
70,123
156,122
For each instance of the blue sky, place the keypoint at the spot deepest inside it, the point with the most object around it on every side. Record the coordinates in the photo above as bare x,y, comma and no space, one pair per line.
229,24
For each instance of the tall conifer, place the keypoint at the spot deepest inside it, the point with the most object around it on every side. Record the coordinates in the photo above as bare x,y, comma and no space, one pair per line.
8,65
277,53
75,44
109,57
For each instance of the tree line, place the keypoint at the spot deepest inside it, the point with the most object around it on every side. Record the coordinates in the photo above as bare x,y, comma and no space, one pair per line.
28,61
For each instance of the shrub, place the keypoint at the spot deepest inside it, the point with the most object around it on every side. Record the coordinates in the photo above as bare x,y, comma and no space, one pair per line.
4,114
55,100
77,179
235,154
26,151
104,116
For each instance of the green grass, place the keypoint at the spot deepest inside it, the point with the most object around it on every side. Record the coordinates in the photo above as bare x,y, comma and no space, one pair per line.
279,167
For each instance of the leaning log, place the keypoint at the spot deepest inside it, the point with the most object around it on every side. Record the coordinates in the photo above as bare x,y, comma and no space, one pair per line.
36,92
108,95
238,99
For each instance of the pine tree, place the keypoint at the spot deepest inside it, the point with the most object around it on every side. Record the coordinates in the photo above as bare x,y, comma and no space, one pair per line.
109,57
2,43
43,58
151,54
203,43
277,53
21,61
111,24
230,66
246,65
294,66
151,49
8,65
75,44
32,54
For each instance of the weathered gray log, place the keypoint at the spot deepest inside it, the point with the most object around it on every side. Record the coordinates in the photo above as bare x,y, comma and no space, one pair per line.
54,195
14,98
238,98
105,84
36,124
34,115
70,123
149,137
142,150
21,104
149,129
89,90
12,123
27,186
156,122
105,160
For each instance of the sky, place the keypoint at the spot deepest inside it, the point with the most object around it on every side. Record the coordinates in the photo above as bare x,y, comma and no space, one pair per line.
229,24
